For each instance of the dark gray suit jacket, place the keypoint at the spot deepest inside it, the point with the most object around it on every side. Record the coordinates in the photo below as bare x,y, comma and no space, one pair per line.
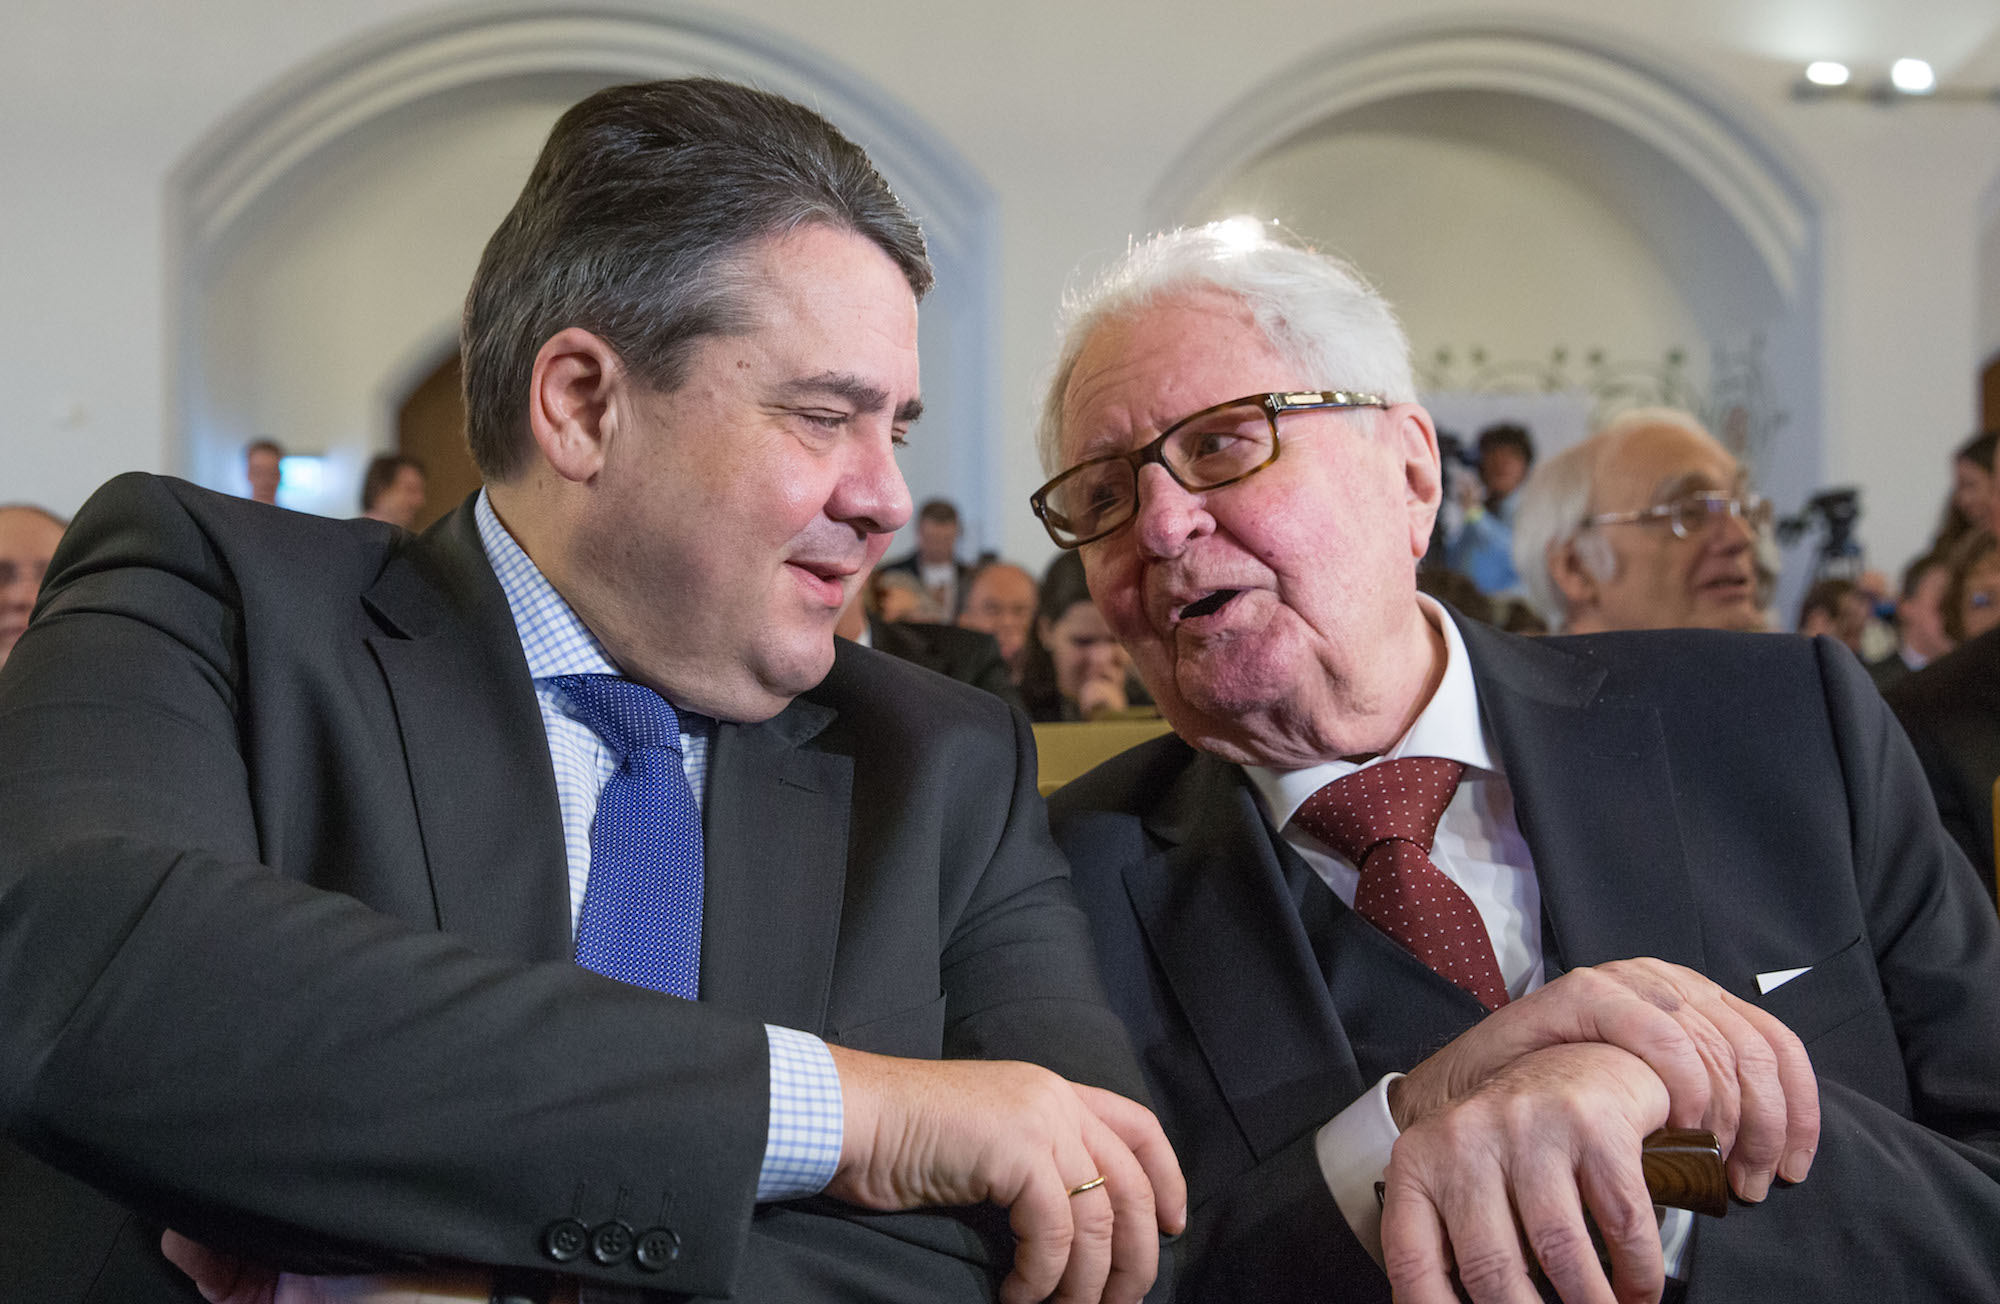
1736,804
284,929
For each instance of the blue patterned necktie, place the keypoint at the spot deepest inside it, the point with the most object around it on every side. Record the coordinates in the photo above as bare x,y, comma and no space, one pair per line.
641,921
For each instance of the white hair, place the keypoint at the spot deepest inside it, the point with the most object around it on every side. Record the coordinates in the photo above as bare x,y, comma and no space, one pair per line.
1549,515
1555,501
1314,308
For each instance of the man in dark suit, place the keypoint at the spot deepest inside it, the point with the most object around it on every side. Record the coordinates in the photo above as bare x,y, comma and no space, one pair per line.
962,654
1951,709
934,561
1920,632
1385,843
302,817
966,655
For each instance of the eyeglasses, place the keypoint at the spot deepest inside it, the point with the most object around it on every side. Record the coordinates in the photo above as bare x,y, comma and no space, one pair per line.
1216,446
1691,514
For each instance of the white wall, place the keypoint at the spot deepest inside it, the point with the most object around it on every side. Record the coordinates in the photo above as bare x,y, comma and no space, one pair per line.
351,289
1476,247
1072,113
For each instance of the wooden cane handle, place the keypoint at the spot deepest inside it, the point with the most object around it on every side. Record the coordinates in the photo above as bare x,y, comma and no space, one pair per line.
1683,1168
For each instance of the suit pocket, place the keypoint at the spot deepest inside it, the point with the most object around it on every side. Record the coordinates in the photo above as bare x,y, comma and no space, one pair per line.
915,1033
1836,989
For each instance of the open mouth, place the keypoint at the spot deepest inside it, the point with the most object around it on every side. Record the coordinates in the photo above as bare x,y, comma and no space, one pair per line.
1209,605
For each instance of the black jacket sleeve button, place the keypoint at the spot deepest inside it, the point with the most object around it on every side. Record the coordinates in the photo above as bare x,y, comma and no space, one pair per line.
611,1243
565,1240
658,1246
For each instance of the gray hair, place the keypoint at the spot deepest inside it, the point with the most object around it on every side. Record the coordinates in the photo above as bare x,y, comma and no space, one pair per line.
1548,516
633,226
1555,501
1314,308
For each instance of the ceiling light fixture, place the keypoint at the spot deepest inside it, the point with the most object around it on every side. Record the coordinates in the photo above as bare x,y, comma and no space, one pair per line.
1909,81
1912,77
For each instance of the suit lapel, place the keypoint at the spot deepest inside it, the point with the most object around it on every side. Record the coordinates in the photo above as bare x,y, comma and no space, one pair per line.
1594,796
1222,924
473,739
774,846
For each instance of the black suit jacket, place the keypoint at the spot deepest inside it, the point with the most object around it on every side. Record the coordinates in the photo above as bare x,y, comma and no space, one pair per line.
1951,709
1736,804
284,927
966,655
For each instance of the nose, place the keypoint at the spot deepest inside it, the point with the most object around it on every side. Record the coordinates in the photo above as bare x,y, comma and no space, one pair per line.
1731,531
871,495
1168,517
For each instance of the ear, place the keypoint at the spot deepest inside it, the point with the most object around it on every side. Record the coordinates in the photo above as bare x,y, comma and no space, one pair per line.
572,401
1576,580
1413,436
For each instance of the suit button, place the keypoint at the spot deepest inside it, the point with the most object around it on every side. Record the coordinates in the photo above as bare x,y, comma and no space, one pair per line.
658,1247
611,1243
565,1240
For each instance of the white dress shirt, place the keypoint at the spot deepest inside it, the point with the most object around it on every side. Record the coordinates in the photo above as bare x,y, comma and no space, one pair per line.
1480,848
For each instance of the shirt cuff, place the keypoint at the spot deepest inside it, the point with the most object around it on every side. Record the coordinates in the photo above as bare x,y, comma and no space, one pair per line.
1353,1149
802,1142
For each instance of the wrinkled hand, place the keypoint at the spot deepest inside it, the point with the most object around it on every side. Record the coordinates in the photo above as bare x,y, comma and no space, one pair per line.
1552,1126
226,1279
1727,1065
953,1132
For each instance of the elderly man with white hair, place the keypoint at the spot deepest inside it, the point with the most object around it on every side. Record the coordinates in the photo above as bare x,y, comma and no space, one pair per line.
1648,524
1408,900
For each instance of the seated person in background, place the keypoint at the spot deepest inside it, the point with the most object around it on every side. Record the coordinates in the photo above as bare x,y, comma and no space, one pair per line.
966,655
901,599
1075,669
1000,600
1951,707
1970,504
1920,633
264,468
1971,598
1379,834
393,490
1837,608
1648,524
934,563
1483,546
28,538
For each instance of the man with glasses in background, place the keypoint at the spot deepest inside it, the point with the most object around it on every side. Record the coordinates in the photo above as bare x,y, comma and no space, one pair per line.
1408,900
1648,524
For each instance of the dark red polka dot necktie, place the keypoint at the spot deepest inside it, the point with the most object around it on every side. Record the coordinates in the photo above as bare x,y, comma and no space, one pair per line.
1383,818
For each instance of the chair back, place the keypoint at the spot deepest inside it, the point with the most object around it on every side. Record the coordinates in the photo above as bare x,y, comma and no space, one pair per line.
1065,751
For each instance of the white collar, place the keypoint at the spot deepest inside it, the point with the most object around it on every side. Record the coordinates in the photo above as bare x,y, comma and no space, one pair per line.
1448,726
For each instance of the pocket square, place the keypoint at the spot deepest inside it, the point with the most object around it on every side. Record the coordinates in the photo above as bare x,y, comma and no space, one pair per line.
1772,981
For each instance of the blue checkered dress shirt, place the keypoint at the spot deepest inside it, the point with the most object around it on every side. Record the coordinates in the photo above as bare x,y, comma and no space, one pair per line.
802,1145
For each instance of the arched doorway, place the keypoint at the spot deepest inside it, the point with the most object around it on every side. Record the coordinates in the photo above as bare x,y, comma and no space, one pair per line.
430,426
1567,225
324,235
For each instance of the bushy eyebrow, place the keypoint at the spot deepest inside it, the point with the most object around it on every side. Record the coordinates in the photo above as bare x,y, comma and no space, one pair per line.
861,395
